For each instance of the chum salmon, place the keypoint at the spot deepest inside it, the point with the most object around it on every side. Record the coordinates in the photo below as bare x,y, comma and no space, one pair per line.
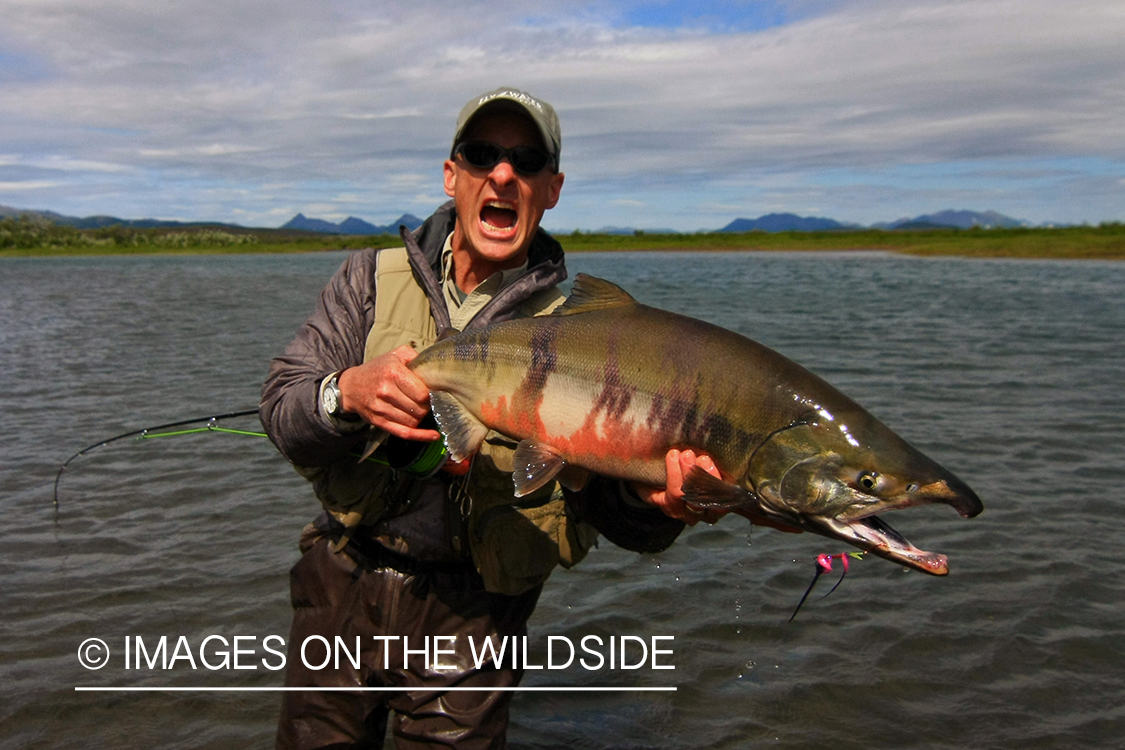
607,385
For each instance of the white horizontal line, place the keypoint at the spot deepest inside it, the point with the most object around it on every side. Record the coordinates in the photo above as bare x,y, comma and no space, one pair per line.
414,689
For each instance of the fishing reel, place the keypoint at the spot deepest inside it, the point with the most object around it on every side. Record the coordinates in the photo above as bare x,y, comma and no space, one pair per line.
422,459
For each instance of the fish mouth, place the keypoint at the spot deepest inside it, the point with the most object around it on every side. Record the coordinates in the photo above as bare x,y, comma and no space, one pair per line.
875,535
869,532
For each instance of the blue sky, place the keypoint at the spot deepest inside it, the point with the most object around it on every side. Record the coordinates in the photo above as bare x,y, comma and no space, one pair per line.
706,15
675,115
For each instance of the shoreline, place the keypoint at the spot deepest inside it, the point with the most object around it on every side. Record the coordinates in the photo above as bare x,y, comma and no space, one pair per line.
1104,242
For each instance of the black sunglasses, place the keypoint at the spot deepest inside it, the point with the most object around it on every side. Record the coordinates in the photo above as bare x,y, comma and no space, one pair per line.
527,160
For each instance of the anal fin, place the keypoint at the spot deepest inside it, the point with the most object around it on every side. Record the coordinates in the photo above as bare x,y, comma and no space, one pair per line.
463,432
533,465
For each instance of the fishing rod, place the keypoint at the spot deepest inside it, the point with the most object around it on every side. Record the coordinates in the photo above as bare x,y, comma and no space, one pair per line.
153,432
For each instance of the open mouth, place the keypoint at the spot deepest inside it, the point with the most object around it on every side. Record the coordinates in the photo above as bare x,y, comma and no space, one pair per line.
499,216
877,537
873,534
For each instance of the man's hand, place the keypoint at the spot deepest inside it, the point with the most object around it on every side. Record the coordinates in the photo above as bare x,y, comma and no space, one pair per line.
388,395
670,498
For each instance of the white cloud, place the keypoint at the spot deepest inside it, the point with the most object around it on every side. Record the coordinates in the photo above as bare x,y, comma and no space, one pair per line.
338,98
28,185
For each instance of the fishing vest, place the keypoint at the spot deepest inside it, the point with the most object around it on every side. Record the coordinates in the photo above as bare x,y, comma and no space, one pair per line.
514,543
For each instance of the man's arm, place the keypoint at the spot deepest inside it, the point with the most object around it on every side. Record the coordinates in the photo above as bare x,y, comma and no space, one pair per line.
382,392
331,340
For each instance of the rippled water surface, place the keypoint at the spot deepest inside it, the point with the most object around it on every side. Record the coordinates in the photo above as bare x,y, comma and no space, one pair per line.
1010,373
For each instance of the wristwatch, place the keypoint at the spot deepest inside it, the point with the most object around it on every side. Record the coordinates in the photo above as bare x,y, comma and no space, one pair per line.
330,399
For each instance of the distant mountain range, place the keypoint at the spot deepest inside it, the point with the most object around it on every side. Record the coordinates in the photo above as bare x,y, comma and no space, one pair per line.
786,223
941,220
774,222
959,219
97,222
351,225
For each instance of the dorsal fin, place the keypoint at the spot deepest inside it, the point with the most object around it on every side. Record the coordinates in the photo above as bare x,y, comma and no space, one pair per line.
591,293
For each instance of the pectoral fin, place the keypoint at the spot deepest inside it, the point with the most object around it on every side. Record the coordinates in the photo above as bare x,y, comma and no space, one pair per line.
462,430
701,490
533,465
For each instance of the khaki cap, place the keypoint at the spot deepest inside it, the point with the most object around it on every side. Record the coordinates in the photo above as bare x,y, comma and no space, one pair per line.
541,113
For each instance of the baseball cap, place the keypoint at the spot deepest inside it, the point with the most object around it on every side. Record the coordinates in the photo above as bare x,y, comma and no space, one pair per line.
540,112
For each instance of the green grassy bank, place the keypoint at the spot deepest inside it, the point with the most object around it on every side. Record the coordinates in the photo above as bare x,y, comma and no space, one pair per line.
30,237
1104,241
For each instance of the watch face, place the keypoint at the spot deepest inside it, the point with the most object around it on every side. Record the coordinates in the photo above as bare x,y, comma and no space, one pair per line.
331,400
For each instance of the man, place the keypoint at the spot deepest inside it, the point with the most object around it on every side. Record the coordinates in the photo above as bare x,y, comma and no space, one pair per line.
402,553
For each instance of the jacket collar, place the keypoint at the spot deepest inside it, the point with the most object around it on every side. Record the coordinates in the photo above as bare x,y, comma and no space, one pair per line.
546,267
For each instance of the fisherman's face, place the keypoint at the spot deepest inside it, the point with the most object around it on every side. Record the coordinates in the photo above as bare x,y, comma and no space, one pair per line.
499,209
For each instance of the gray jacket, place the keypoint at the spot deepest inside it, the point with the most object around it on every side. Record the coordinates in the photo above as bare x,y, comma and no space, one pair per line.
333,340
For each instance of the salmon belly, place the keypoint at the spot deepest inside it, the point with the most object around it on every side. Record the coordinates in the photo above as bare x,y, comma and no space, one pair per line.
586,423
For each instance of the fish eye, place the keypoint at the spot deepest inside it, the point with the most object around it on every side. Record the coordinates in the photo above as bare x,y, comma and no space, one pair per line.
868,480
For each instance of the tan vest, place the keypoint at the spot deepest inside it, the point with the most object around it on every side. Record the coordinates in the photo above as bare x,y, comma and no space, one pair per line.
514,543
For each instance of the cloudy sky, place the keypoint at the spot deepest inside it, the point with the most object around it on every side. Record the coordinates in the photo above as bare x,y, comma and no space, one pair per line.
682,115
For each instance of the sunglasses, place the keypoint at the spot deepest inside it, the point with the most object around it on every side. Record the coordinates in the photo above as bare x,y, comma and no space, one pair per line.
526,160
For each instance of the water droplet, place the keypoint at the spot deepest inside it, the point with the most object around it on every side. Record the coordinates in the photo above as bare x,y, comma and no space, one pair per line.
750,665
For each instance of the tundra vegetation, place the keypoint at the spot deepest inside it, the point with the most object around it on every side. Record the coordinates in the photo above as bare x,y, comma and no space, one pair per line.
28,236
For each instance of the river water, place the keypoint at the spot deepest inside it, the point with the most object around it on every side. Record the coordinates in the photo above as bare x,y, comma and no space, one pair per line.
1010,373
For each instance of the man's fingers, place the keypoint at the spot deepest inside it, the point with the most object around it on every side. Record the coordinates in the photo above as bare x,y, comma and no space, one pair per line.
405,353
409,433
410,384
673,468
684,462
676,465
705,463
390,402
403,388
384,391
670,498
